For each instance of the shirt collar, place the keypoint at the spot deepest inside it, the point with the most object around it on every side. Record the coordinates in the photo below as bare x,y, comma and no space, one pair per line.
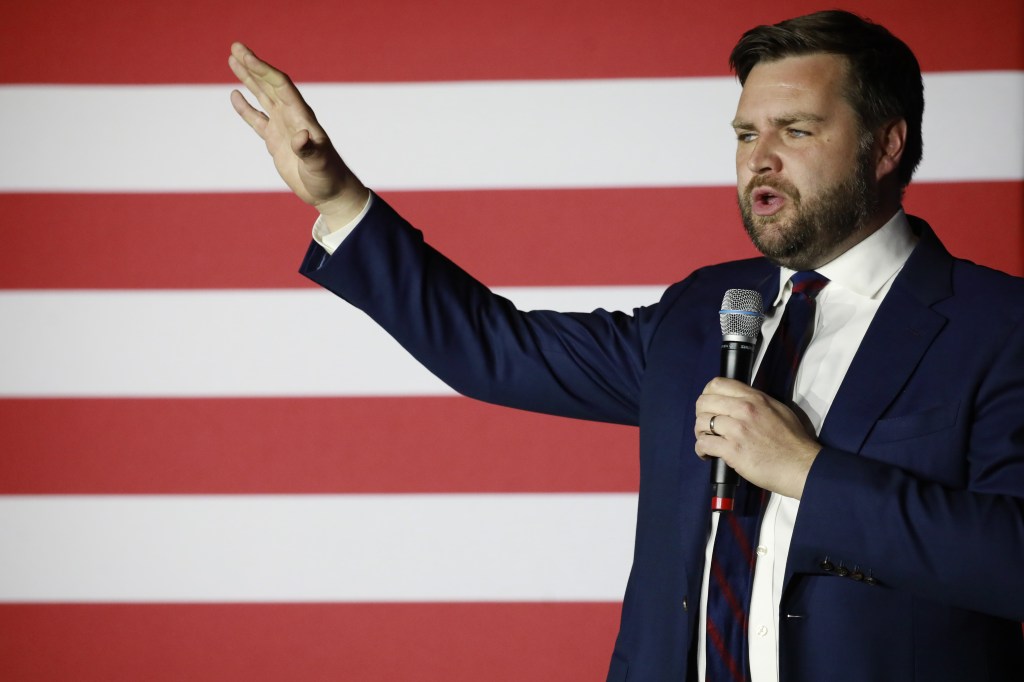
865,268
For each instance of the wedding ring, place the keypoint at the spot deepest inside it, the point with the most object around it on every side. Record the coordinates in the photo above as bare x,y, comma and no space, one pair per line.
711,426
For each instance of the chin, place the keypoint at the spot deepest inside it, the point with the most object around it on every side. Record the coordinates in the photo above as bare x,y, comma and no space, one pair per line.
775,238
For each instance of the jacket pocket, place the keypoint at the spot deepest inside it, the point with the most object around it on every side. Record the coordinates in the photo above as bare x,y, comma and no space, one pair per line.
929,444
904,427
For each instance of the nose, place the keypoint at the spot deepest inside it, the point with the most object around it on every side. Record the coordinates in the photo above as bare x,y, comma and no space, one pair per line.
762,156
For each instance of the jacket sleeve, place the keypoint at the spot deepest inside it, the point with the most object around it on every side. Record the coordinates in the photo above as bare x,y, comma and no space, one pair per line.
583,365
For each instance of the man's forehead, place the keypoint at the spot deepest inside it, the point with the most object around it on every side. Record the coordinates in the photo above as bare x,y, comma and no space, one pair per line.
803,88
796,76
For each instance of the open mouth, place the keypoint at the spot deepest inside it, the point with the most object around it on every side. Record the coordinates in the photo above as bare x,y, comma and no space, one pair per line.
766,201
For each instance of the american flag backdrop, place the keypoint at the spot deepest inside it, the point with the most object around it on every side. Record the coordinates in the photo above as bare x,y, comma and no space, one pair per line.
212,470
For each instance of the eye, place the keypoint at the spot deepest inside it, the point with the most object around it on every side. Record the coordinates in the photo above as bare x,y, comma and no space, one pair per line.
797,132
746,136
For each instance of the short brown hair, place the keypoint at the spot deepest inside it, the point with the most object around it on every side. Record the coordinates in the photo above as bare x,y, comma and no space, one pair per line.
884,76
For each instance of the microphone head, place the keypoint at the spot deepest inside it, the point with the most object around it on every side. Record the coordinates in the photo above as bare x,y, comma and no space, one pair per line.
741,315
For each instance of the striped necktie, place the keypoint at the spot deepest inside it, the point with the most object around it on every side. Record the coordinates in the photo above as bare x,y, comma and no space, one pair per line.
733,556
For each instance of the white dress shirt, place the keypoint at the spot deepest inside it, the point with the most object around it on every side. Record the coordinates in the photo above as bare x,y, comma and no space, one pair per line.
859,280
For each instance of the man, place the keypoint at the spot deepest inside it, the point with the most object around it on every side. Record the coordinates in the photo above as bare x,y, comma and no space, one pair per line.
889,544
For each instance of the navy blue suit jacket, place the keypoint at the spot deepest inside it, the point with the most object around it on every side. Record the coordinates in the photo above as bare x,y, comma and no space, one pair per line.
907,558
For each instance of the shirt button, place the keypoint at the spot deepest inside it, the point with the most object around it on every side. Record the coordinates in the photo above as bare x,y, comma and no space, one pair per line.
762,631
761,550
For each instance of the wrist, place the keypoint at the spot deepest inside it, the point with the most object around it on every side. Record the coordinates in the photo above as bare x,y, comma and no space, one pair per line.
803,471
339,212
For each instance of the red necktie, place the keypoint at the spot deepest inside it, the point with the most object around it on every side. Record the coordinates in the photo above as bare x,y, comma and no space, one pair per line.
733,557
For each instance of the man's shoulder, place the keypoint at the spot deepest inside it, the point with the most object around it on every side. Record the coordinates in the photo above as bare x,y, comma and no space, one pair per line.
991,293
958,283
979,276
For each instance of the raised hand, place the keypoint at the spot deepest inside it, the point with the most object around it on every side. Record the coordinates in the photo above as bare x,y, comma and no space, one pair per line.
302,152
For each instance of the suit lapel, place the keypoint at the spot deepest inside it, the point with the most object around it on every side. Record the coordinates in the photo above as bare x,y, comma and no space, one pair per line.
903,329
901,332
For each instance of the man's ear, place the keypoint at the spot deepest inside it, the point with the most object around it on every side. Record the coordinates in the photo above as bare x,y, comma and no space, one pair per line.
890,141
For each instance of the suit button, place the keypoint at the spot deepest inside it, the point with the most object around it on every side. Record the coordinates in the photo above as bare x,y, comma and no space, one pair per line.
870,581
827,566
686,604
857,575
842,571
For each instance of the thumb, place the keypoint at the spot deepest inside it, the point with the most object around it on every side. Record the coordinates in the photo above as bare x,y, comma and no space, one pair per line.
302,144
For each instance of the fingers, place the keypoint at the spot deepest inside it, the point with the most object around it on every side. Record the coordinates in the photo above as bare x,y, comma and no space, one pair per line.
765,441
712,436
255,118
725,408
709,424
236,62
269,85
257,75
721,412
266,73
287,117
728,387
730,397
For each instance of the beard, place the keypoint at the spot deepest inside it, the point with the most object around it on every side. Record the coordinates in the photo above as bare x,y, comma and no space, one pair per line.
818,225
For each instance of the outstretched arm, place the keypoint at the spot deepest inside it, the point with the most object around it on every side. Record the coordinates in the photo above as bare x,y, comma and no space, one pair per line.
302,151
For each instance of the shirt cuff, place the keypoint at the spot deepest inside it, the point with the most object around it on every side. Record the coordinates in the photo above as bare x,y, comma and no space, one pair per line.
330,241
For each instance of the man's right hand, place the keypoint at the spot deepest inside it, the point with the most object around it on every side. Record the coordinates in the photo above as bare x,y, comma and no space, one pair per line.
303,154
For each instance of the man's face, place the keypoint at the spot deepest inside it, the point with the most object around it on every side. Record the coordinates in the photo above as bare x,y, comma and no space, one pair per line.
806,184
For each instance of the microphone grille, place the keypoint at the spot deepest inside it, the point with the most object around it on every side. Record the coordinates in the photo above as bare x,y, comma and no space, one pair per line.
742,313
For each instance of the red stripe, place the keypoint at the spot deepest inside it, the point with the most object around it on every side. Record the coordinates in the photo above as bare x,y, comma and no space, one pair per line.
396,40
620,236
741,539
715,638
960,212
422,642
305,445
725,589
512,237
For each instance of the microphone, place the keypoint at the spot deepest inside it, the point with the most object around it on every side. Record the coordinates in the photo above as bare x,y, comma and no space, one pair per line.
741,316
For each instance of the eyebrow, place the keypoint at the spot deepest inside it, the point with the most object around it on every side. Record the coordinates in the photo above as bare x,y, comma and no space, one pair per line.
780,121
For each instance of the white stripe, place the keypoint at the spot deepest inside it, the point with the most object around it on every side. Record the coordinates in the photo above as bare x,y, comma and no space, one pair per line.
572,547
226,343
973,126
543,134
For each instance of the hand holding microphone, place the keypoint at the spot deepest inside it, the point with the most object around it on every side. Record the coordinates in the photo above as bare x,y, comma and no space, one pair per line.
769,443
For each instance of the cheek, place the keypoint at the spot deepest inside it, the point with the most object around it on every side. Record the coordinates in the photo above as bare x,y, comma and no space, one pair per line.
809,172
743,172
